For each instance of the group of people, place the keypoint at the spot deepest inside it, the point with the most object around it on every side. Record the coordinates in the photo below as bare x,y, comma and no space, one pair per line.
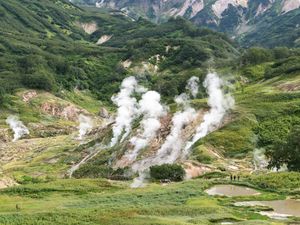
234,177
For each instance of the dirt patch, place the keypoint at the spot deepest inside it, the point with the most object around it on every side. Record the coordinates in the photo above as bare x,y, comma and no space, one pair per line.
289,87
193,169
88,28
103,39
7,182
27,96
4,135
68,112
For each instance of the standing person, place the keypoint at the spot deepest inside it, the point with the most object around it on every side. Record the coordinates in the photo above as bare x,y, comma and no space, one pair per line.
234,177
230,177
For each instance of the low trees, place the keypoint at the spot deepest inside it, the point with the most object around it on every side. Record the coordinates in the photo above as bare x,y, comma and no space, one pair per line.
172,172
287,153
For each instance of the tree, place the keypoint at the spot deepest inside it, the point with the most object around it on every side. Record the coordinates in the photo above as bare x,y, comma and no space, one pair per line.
173,172
287,153
39,80
254,56
2,93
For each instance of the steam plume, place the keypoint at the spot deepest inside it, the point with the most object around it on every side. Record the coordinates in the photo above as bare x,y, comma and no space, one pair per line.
259,159
152,110
219,103
127,108
171,149
193,86
17,126
85,125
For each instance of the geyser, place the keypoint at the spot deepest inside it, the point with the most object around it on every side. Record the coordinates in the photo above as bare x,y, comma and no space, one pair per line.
17,126
170,151
219,105
152,110
127,109
85,125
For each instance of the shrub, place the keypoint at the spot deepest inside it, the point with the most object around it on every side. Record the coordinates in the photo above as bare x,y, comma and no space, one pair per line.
39,80
173,172
254,56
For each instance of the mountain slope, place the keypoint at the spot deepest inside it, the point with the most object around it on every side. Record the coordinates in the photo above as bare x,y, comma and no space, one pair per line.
241,19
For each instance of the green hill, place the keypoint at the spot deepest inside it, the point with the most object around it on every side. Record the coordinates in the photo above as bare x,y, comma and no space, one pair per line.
58,61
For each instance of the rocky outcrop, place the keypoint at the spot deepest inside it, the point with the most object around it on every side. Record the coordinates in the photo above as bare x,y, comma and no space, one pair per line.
103,113
88,28
289,5
68,112
7,182
4,135
27,96
103,39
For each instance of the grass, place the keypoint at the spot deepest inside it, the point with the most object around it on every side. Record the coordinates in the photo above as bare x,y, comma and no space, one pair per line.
96,201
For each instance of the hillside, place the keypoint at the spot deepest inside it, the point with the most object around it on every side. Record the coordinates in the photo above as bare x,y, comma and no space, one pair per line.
251,22
106,118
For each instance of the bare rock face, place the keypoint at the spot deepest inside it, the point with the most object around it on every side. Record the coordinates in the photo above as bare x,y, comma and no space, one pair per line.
4,135
88,28
69,112
194,170
103,113
7,182
27,96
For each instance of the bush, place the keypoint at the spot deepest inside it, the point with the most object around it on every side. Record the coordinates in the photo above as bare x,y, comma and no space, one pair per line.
275,181
173,172
39,80
2,93
254,56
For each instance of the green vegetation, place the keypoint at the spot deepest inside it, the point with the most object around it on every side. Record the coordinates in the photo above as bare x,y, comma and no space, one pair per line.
97,201
172,172
43,47
283,181
287,153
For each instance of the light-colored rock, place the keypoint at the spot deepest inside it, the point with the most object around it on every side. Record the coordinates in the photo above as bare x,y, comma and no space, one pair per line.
7,182
104,113
289,5
221,5
27,96
89,28
68,112
126,64
103,39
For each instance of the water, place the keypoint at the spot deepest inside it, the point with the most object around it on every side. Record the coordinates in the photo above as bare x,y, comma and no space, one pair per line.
231,190
281,208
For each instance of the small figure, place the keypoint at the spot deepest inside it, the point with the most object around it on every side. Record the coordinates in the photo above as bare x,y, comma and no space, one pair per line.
234,177
238,177
231,177
18,208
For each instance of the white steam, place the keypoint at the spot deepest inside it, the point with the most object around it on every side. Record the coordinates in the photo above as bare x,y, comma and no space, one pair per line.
127,109
259,159
85,125
219,105
170,151
17,126
193,86
152,110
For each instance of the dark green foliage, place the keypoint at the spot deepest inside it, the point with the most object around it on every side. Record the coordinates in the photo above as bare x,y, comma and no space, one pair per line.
287,152
275,130
94,171
172,172
286,66
253,56
39,80
45,49
277,181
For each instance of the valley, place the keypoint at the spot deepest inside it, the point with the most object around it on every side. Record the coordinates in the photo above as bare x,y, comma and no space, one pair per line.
109,118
